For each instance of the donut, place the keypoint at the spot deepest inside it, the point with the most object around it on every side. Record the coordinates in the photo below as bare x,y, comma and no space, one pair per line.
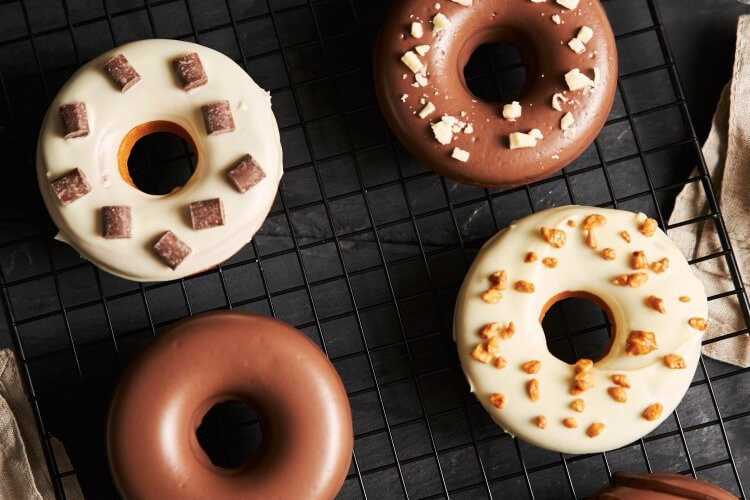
135,90
197,363
622,261
570,57
659,486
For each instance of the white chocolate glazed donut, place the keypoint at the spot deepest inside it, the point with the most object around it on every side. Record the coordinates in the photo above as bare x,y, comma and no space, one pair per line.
580,268
160,102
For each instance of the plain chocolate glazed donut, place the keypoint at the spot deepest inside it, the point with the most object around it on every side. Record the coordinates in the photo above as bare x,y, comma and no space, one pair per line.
542,44
220,356
659,486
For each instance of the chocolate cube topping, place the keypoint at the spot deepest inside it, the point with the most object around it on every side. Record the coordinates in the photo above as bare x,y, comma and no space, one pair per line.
246,174
207,213
218,118
75,120
71,186
190,70
117,222
122,73
172,249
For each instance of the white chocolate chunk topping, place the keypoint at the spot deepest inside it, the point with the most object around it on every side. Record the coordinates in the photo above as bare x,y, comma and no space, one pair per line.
412,62
556,19
512,111
442,131
422,49
536,134
567,121
428,109
556,98
521,140
577,80
585,34
417,30
568,4
440,22
460,155
465,3
576,46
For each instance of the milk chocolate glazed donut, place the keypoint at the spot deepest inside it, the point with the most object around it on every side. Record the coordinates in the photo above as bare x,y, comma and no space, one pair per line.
220,356
478,127
660,486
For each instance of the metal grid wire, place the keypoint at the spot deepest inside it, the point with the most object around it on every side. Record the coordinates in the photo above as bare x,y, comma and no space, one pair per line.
363,251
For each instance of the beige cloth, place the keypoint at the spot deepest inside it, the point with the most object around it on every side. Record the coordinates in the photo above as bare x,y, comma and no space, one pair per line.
23,470
727,154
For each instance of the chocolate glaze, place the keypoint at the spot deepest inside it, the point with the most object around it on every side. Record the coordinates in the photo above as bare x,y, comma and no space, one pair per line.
660,486
219,356
528,26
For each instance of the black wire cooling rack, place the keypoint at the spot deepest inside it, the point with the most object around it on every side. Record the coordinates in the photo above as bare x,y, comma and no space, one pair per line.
363,251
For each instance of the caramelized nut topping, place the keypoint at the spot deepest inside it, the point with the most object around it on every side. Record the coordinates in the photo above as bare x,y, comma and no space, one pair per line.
489,330
618,394
531,367
532,388
493,346
648,228
499,362
653,412
625,236
655,303
591,239
621,380
684,298
594,220
571,223
508,331
640,342
674,361
633,280
660,265
578,405
570,423
497,400
699,324
492,296
583,365
550,262
621,280
582,381
541,422
595,429
524,286
530,257
499,280
480,353
638,260
554,237
608,254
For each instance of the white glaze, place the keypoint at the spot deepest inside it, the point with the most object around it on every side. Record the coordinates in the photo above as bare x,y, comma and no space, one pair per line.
579,268
159,96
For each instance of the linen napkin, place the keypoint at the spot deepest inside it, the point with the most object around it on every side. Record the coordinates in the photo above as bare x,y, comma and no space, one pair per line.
727,155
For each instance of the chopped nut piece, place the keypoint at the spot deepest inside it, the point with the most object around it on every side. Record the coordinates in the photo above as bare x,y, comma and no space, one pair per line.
532,367
684,298
493,346
577,80
492,296
577,46
443,132
582,382
655,303
633,280
541,422
653,412
521,140
417,30
583,365
481,354
571,223
594,220
609,254
567,121
550,262
660,265
489,330
699,324
640,342
530,257
674,361
524,286
585,34
618,394
648,227
460,155
570,423
532,388
591,239
412,62
597,427
497,400
512,111
621,380
422,49
499,362
621,280
556,18
556,98
428,109
508,331
536,134
440,22
578,405
625,236
555,237
568,4
499,280
638,260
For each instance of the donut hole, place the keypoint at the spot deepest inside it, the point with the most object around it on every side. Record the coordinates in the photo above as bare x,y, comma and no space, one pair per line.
230,434
577,327
495,72
157,158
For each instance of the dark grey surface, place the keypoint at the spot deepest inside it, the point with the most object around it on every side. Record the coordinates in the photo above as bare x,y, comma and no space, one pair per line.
309,271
